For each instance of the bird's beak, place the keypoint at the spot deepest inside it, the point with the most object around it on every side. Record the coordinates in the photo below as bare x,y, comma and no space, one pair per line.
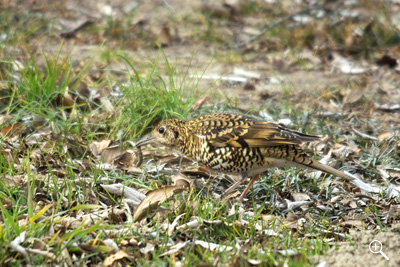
145,141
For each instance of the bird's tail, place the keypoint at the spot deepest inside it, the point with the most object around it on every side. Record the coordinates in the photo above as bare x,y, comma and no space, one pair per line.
328,169
346,176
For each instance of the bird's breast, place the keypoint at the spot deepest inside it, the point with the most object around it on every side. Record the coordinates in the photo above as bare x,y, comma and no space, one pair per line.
225,159
233,159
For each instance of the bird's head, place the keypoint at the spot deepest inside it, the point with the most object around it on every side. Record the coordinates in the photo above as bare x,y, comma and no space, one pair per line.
167,133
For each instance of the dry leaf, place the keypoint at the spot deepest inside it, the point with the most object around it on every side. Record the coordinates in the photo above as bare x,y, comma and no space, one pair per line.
181,180
172,226
300,196
199,103
109,261
199,172
353,95
153,199
120,189
124,160
110,153
385,136
175,249
347,66
98,146
247,73
164,37
13,129
267,217
67,101
212,246
387,60
354,223
231,195
73,27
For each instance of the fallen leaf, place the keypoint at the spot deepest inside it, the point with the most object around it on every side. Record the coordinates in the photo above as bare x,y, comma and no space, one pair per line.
121,254
13,129
72,27
249,87
164,37
120,189
346,66
67,101
212,246
172,226
247,73
148,248
267,217
199,172
388,107
300,196
181,180
98,146
199,103
175,249
387,60
110,153
353,95
385,136
124,160
354,223
153,199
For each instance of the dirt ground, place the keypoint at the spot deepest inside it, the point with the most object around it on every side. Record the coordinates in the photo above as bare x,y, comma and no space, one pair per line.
358,253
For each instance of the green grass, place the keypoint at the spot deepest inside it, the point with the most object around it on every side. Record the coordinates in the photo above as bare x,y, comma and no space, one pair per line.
150,98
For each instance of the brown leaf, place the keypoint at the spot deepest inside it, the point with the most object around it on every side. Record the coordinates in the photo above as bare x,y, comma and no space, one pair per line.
8,156
181,180
116,216
67,101
352,96
267,217
199,103
231,195
98,146
13,129
121,254
249,87
354,223
153,199
74,27
83,91
5,202
199,172
139,156
385,136
164,37
342,151
110,153
387,60
124,160
300,196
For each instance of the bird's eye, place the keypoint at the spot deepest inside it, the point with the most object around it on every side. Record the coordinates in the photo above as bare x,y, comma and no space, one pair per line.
161,130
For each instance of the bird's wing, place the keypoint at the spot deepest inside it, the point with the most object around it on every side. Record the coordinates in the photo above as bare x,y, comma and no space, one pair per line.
224,129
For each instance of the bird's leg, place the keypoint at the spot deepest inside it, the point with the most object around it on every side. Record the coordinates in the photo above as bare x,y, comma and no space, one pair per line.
242,179
243,195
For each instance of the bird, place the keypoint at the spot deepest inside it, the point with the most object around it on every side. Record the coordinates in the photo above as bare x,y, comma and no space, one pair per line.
237,144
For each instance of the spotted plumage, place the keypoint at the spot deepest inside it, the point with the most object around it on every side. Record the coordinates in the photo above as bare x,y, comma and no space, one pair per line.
237,144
